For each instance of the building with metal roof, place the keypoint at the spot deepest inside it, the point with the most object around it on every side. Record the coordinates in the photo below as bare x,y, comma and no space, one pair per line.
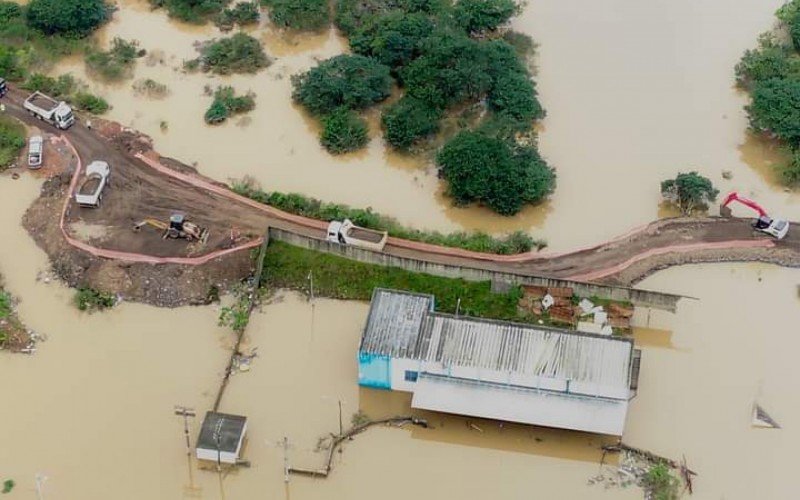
221,437
497,369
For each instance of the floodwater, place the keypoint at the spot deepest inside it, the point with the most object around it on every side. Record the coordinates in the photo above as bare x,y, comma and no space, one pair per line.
635,92
92,409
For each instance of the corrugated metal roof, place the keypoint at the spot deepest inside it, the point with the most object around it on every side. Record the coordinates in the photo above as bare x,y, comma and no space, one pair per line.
394,322
402,325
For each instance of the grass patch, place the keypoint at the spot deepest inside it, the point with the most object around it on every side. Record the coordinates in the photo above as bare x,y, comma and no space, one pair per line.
240,53
117,62
226,103
514,243
286,266
89,299
12,140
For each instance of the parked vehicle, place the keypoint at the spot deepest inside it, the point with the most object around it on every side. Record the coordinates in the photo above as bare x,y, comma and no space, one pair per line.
90,192
35,151
347,233
3,87
56,113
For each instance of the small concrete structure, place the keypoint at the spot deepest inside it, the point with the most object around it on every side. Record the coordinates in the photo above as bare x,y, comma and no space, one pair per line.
221,437
497,369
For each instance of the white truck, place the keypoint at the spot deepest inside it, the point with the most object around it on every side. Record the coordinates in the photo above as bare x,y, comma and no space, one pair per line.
56,113
347,233
90,192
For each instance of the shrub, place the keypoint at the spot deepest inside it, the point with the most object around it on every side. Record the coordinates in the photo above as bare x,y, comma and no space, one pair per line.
791,171
343,131
67,17
150,88
660,484
117,62
763,64
409,120
58,88
477,16
305,15
243,13
239,53
776,109
227,103
689,192
514,95
89,299
10,66
192,11
349,81
495,172
12,140
393,39
91,103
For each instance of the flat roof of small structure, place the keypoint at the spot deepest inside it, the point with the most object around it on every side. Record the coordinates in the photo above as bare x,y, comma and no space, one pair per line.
230,429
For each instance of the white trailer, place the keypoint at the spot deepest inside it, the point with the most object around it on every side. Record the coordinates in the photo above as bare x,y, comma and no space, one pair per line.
90,192
56,113
347,233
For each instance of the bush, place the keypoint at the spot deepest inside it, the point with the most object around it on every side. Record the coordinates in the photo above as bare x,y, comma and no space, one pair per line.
689,192
304,15
495,172
12,140
393,39
409,120
660,484
227,103
762,64
57,88
776,109
243,13
192,11
477,16
514,95
117,62
349,81
89,299
67,17
343,132
150,88
10,66
91,103
239,53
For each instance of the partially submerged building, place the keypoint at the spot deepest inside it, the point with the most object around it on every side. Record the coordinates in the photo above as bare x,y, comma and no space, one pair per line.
496,369
221,437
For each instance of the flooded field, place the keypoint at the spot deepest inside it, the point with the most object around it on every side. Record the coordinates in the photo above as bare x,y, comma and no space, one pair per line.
635,92
92,409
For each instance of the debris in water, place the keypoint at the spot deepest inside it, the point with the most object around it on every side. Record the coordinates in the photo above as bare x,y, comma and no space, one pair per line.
762,419
727,175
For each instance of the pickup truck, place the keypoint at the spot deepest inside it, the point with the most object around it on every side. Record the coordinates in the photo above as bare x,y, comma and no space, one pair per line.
90,192
347,233
56,113
35,151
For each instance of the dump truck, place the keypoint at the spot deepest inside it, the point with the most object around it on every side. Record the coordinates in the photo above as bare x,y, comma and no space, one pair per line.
90,192
347,233
45,108
35,151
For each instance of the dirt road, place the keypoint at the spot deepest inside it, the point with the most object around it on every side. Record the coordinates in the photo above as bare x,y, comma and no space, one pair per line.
139,191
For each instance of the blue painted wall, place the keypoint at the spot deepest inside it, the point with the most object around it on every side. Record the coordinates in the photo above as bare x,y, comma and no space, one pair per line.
374,370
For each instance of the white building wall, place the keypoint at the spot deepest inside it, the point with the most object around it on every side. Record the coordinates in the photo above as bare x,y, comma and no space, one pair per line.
211,455
398,369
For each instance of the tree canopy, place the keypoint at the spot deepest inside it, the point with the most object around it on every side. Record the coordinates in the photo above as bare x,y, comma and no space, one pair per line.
494,172
477,16
67,17
776,108
689,192
343,131
409,120
348,81
304,15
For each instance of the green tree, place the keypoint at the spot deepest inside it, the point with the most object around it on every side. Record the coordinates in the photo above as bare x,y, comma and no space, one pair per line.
776,109
763,64
243,13
304,15
689,192
240,53
349,81
477,16
343,131
393,39
192,11
408,120
495,172
67,17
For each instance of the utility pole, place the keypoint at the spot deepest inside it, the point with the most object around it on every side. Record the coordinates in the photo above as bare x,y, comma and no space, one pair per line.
217,439
40,479
341,427
185,412
285,459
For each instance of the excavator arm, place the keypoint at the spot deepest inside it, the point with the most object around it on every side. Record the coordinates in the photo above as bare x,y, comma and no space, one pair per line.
734,196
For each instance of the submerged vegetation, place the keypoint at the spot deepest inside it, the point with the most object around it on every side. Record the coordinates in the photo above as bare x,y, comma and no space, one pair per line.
660,484
242,14
444,56
89,299
191,11
226,103
771,75
301,15
240,53
12,140
286,266
117,62
343,131
514,243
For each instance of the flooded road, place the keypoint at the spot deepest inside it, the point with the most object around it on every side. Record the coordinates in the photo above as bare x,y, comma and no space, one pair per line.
635,92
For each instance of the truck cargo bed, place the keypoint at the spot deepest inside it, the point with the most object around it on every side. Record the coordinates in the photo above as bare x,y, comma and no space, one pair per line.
365,234
43,102
90,185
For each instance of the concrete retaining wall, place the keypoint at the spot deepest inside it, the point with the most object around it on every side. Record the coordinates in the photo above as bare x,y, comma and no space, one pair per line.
500,280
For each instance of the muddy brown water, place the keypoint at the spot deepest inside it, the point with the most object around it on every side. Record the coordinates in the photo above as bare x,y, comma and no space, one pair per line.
92,409
635,92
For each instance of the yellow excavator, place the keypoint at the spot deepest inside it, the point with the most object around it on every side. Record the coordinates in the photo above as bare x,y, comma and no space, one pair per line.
177,228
